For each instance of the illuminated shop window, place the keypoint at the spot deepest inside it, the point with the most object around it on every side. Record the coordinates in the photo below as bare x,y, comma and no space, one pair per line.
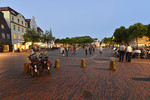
15,37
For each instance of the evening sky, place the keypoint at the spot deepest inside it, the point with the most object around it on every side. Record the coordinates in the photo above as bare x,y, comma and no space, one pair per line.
70,18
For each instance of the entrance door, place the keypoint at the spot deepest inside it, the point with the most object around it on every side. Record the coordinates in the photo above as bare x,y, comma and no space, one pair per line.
5,48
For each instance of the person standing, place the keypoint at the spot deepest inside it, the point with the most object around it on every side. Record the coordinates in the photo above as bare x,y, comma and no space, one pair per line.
86,49
72,49
129,53
121,52
100,49
62,50
67,50
32,51
93,49
90,49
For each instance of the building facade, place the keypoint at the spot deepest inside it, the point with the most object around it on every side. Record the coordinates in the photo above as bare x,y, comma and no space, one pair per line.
96,42
5,35
16,22
31,23
141,42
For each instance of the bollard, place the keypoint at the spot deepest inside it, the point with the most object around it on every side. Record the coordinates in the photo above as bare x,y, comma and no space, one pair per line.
83,63
57,63
26,68
112,65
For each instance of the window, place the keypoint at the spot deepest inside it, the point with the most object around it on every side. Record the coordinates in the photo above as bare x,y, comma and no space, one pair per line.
18,28
15,36
12,18
22,30
19,37
18,21
8,36
3,35
22,22
14,27
2,26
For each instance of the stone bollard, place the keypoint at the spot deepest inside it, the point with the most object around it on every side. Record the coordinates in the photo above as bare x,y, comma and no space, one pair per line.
83,63
26,68
57,63
112,65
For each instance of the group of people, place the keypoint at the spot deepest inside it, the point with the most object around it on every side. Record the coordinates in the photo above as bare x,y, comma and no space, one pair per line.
90,48
129,52
64,50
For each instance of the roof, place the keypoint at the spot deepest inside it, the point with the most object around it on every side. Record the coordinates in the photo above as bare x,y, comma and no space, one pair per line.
28,22
95,38
39,29
12,11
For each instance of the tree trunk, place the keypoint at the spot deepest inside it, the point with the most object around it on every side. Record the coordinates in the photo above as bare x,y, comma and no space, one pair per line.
137,42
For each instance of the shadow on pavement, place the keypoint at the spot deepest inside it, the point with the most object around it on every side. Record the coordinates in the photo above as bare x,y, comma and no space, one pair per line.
101,69
141,79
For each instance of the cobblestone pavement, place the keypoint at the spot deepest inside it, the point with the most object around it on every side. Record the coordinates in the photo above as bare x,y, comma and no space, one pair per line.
131,81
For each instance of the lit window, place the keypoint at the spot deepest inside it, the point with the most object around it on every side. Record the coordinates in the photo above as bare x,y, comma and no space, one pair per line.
22,38
22,30
8,36
18,28
2,26
12,18
3,35
15,36
14,27
19,37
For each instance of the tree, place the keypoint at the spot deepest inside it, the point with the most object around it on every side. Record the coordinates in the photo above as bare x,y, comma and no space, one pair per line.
31,36
148,30
57,41
47,37
137,30
120,35
107,40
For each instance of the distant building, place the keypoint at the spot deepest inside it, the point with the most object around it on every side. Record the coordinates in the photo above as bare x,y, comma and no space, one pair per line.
16,22
142,42
39,30
31,23
96,42
5,35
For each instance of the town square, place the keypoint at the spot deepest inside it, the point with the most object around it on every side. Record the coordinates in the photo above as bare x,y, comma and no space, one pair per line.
74,50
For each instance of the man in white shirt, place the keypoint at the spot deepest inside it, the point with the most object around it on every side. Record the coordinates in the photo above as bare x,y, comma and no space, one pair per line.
129,53
121,52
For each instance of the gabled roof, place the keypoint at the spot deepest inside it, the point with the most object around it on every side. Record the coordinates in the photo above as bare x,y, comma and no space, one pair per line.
12,11
28,22
39,29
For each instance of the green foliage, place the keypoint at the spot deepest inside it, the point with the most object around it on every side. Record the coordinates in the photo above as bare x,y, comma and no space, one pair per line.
120,35
137,30
107,40
148,30
31,36
47,37
74,40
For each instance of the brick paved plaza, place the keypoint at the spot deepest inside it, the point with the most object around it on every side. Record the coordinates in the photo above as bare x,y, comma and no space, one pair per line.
131,81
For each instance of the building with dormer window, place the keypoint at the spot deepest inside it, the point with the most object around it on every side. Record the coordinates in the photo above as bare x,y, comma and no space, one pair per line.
18,25
31,23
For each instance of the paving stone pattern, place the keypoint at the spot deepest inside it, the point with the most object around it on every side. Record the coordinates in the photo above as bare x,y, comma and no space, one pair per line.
131,81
